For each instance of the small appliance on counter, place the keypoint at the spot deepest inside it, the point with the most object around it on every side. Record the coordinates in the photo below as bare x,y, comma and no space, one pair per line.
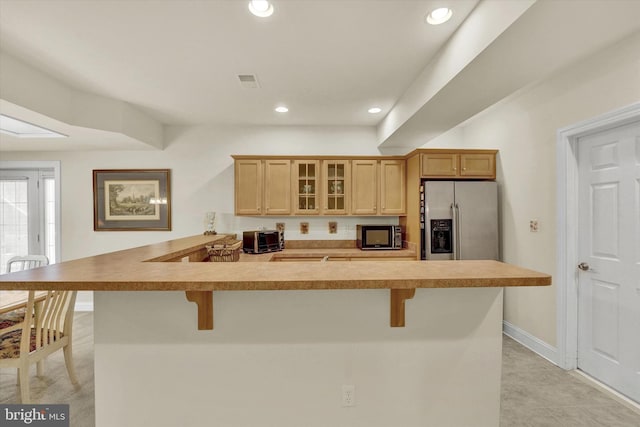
262,241
379,237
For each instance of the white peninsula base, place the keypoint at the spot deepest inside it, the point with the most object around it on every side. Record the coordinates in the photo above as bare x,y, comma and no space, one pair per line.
281,358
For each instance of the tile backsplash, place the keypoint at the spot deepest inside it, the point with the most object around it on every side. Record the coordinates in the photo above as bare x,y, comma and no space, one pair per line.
318,228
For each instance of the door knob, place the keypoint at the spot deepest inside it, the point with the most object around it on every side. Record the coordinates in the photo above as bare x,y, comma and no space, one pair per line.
583,266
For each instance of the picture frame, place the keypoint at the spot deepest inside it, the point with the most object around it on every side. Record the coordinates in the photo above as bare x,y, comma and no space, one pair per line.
132,200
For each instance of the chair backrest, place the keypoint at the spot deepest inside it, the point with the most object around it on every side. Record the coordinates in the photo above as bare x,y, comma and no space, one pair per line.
26,262
54,319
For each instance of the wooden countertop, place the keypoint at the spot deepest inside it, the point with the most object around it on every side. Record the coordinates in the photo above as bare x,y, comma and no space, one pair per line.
142,269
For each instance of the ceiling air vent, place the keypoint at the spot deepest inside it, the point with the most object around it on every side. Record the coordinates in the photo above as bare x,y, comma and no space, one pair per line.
248,81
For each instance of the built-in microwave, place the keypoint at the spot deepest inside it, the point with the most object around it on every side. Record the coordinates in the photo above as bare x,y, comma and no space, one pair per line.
379,236
261,241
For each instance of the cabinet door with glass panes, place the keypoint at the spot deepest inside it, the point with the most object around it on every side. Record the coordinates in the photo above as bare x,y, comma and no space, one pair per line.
336,178
306,186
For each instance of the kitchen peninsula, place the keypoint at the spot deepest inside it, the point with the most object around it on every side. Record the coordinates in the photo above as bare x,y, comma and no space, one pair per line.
283,348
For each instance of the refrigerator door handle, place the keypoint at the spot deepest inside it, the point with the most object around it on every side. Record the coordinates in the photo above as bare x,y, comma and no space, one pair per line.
457,231
454,227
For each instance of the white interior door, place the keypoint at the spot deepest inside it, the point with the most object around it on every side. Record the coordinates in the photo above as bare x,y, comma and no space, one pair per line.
609,250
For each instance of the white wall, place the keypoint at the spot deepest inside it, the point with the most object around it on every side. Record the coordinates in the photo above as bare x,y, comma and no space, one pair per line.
524,129
280,359
202,180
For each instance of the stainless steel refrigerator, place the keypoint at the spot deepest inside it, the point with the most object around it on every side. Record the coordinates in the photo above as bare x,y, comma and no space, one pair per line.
459,220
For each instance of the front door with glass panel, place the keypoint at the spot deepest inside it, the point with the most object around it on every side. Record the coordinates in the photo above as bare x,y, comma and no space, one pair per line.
27,214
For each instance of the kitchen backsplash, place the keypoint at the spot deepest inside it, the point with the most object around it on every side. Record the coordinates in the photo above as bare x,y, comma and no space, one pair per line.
318,227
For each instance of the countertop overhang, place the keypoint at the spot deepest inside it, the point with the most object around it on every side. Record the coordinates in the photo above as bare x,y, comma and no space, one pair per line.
158,267
142,269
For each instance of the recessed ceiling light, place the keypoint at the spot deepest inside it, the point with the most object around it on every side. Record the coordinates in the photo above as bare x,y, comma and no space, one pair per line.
261,8
439,16
21,129
374,110
282,109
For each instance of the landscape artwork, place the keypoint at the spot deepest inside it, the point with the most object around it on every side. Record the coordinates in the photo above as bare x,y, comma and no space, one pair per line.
132,200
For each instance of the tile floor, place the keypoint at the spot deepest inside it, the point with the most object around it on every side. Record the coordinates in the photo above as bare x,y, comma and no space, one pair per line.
535,393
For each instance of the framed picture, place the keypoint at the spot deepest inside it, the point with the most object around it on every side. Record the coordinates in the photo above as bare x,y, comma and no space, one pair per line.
131,199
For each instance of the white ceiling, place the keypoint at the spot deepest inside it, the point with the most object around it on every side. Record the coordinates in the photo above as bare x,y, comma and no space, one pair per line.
177,61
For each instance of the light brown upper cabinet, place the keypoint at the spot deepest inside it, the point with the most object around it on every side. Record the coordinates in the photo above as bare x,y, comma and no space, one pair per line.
478,165
378,187
248,187
306,187
262,187
277,187
364,187
336,186
439,165
392,187
472,164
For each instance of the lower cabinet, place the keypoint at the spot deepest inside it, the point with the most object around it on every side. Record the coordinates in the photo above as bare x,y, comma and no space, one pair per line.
292,258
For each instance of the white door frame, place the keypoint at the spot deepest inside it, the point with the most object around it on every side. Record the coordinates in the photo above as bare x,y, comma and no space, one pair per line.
566,279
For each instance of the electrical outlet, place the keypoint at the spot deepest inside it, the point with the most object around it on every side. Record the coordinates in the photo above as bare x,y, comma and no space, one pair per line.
348,395
533,226
333,227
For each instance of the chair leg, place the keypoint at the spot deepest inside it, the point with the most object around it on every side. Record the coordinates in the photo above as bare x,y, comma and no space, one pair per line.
23,377
68,361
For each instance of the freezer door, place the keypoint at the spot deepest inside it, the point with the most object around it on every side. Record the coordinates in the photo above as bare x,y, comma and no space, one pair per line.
439,197
476,206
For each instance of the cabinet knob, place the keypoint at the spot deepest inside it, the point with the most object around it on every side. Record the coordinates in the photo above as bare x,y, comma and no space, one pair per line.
455,169
464,169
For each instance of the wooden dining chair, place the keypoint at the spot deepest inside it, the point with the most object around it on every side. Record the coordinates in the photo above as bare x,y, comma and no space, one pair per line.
20,263
26,262
37,336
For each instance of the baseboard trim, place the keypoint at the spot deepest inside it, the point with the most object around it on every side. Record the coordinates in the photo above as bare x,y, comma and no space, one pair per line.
531,342
84,306
618,397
